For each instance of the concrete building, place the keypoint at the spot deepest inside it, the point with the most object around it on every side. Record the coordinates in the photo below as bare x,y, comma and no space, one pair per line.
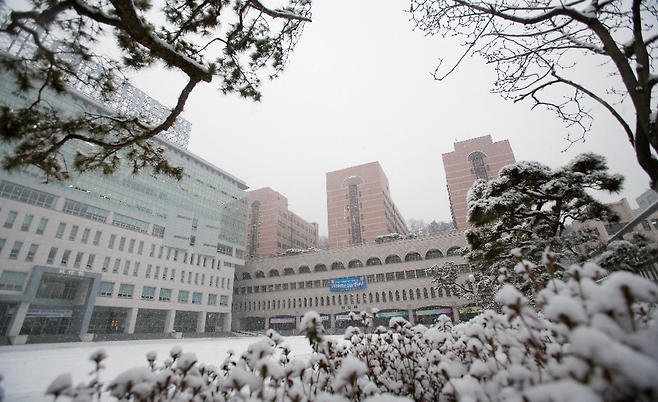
360,206
276,292
648,226
476,158
273,228
125,254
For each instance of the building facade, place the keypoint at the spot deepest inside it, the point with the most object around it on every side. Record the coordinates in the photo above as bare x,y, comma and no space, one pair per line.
476,158
117,254
360,206
392,277
273,228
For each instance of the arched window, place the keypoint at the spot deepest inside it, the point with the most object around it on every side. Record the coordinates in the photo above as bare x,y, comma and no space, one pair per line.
320,268
440,292
411,294
316,302
425,293
260,274
412,257
370,297
355,264
434,253
288,271
304,270
337,265
393,259
373,261
305,305
433,293
417,293
322,301
384,297
377,297
390,296
333,300
454,250
273,272
246,275
397,295
479,168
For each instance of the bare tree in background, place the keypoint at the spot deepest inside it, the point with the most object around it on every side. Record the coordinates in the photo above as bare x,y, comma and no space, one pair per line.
536,47
231,40
420,228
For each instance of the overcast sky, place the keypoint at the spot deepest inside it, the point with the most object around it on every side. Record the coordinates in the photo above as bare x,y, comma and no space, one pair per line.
359,89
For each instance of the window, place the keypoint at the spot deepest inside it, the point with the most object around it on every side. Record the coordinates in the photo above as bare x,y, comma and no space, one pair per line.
9,223
97,238
90,261
173,274
140,247
223,300
78,260
136,269
165,295
60,230
148,271
26,222
131,245
65,258
106,289
196,298
110,244
85,211
212,300
182,277
168,253
158,231
122,242
26,195
106,264
183,295
129,223
42,225
31,252
126,267
12,280
74,232
160,252
148,293
15,250
117,262
126,291
85,236
152,250
156,273
196,278
164,273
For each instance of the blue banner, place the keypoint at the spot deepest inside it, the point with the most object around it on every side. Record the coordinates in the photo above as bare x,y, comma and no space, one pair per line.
347,284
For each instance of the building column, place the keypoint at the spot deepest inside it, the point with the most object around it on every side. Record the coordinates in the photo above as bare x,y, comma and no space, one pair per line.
267,323
16,321
411,320
228,321
332,323
201,322
170,317
131,319
455,314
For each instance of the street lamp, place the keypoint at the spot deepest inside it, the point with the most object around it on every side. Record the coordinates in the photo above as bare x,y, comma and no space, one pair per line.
471,278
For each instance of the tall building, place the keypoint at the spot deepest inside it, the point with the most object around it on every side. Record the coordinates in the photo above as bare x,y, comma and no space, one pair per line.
360,206
273,228
476,158
120,254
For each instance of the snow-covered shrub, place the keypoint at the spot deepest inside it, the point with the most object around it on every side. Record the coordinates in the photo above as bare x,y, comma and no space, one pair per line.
583,340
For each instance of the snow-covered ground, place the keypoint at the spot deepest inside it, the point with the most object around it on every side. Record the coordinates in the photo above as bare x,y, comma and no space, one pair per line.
27,370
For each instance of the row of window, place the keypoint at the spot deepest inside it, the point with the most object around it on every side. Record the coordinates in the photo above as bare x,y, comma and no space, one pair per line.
40,198
126,291
324,283
123,244
334,267
352,300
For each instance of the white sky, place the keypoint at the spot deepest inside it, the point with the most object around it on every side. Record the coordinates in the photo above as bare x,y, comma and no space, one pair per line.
358,89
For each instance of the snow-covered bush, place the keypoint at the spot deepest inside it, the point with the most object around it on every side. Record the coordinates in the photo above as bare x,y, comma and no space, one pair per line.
584,340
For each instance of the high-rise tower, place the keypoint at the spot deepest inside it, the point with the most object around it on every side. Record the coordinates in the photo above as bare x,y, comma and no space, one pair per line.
476,158
360,207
